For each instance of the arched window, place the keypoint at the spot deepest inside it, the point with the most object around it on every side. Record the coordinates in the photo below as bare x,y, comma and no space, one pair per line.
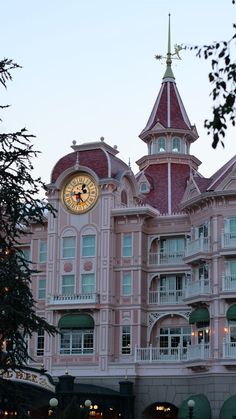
176,145
161,145
77,334
124,199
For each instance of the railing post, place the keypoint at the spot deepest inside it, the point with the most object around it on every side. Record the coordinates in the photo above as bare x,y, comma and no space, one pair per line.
178,352
187,351
224,347
150,353
135,353
202,346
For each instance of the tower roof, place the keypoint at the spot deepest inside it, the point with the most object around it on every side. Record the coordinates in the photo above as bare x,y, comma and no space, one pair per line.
168,111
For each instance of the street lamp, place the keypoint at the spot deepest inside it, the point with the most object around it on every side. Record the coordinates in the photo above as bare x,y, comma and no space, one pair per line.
53,403
87,405
191,404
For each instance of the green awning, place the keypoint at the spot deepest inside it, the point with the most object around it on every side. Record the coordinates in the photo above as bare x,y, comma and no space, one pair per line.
202,408
76,321
200,314
228,409
231,312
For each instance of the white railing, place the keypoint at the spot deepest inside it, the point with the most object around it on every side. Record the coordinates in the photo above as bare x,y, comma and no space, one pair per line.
190,353
160,258
166,297
228,240
202,244
74,299
196,288
228,282
229,350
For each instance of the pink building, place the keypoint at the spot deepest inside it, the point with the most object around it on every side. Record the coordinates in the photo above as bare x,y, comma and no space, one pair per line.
139,271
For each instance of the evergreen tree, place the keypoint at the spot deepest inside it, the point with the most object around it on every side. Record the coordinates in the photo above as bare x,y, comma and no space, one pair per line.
20,206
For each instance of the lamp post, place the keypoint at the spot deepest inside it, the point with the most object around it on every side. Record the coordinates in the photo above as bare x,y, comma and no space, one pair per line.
191,404
87,405
53,403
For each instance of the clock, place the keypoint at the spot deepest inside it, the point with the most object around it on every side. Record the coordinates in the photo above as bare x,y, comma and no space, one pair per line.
80,193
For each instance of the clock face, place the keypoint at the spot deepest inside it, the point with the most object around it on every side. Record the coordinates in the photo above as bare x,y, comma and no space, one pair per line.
80,193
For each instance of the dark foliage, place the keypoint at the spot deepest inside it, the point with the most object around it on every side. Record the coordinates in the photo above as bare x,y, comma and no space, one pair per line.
222,78
20,207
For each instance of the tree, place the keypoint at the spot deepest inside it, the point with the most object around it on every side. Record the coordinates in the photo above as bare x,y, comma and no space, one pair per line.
20,207
223,80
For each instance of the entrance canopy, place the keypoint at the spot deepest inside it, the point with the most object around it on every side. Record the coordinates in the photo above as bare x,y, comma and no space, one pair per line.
228,409
231,312
76,321
202,408
200,314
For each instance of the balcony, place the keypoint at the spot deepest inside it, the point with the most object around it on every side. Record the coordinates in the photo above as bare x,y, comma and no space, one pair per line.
197,249
151,354
160,258
228,282
166,297
72,299
198,289
228,242
229,350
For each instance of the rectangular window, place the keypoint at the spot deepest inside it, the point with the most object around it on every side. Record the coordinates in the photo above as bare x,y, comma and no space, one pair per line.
126,340
68,284
89,246
40,343
87,283
176,145
126,287
77,342
42,289
161,145
68,247
203,271
43,251
127,245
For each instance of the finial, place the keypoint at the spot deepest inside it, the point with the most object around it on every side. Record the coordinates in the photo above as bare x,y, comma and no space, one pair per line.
77,161
169,56
102,139
129,164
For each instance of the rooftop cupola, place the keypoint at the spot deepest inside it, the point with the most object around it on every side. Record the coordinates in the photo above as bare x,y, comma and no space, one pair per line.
168,128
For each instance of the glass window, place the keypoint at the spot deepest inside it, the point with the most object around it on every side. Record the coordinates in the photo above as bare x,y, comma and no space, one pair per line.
126,340
40,343
171,337
144,187
127,244
203,271
77,341
42,289
161,145
176,145
87,283
68,284
126,288
68,247
89,246
43,251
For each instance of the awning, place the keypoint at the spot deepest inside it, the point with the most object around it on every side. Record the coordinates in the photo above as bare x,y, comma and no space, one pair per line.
228,409
202,408
76,321
200,314
231,312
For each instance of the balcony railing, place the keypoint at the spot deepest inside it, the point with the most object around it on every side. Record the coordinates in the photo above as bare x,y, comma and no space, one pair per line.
195,288
160,258
74,299
166,297
229,350
228,282
200,245
189,353
228,240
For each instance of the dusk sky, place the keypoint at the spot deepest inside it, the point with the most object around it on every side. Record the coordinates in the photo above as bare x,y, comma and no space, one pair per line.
88,70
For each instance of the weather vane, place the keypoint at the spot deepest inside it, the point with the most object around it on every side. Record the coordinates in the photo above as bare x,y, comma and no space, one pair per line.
170,55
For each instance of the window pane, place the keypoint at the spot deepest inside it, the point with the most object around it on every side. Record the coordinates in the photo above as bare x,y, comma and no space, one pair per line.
43,251
87,283
126,340
68,247
161,144
88,246
126,283
68,282
40,343
127,245
42,289
176,145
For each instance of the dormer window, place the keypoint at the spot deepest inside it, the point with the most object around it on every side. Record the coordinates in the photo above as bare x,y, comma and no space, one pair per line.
144,187
161,145
176,145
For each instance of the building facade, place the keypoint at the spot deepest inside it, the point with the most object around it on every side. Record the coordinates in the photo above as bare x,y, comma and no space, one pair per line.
138,271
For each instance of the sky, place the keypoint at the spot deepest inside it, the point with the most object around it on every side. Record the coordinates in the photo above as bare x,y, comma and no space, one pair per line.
88,71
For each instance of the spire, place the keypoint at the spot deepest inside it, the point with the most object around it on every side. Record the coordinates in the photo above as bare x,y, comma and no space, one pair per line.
168,72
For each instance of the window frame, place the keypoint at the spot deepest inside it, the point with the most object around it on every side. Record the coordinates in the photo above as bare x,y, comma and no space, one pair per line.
126,339
127,246
43,251
63,286
124,285
90,247
66,249
42,289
